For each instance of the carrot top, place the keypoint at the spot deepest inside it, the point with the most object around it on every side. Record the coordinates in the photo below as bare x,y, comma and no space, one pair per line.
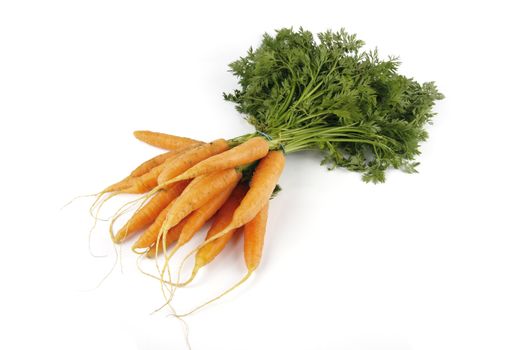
330,95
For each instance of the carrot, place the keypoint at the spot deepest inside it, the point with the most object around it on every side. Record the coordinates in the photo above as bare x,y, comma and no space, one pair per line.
254,232
165,141
196,220
262,184
198,192
149,179
141,170
147,166
254,239
208,252
185,161
158,160
193,198
153,230
143,178
138,181
130,180
145,182
245,153
139,184
147,214
193,223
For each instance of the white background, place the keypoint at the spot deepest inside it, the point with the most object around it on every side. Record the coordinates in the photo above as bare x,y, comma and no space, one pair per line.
428,261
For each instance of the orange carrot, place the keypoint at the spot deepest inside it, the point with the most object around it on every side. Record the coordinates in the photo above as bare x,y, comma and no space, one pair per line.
139,184
158,160
134,183
165,141
153,162
141,170
253,243
152,231
198,193
149,180
207,253
183,162
197,219
141,180
145,182
147,214
254,239
245,153
262,184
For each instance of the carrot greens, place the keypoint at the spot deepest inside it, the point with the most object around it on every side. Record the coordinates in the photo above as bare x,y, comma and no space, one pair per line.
328,94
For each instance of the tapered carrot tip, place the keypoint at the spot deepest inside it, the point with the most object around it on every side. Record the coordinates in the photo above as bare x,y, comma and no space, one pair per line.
192,277
152,253
149,236
171,237
119,186
254,239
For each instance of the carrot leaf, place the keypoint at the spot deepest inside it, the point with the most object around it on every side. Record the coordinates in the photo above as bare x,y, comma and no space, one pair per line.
327,93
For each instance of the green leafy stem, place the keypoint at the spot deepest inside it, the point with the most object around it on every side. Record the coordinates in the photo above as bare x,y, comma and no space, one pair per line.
325,93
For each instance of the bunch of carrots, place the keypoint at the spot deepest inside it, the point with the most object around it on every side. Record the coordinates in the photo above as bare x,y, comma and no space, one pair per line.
301,92
193,182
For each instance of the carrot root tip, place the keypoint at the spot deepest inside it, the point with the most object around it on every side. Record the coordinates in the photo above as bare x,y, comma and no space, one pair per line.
232,288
